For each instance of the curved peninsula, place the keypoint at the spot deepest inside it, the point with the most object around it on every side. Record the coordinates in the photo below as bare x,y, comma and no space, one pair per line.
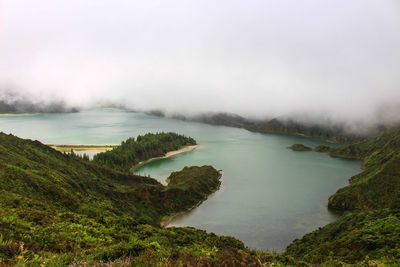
145,147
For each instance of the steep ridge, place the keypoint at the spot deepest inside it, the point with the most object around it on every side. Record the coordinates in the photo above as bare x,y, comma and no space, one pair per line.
378,186
370,228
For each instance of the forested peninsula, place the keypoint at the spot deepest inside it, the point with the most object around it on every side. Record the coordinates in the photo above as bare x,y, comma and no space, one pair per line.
131,152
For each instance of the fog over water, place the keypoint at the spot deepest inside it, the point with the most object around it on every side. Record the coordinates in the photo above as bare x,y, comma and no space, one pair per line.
316,59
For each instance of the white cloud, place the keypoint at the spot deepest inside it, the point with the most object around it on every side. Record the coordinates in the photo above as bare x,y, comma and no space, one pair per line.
257,58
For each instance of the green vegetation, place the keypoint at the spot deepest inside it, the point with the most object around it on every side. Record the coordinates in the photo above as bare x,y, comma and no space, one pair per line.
378,186
57,209
353,238
331,133
59,204
147,146
371,228
299,147
191,185
322,149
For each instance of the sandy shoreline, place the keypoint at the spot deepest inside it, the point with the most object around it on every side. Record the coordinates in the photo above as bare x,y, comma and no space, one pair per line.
102,148
68,148
168,155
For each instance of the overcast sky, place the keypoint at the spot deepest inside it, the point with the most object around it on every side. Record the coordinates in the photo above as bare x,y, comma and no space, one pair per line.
256,58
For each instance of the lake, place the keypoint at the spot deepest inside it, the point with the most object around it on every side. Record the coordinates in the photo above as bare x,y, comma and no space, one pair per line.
269,195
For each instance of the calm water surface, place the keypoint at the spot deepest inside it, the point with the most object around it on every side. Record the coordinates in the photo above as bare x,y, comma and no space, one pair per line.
269,196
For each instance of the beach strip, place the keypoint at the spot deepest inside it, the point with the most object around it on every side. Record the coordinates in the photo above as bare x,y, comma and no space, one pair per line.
168,155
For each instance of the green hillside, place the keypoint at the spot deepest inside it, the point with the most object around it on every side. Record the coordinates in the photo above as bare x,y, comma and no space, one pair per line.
59,209
371,225
378,186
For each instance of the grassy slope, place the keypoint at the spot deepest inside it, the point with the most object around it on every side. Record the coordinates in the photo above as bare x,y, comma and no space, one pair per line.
378,186
352,238
65,209
371,225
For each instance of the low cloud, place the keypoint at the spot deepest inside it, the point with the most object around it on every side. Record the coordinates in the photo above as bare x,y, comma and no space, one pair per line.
13,102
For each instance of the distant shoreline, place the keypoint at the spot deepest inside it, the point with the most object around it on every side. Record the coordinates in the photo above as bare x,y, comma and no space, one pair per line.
68,148
168,155
16,114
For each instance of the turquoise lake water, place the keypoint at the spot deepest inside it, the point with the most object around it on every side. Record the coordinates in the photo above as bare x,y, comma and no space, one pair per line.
269,195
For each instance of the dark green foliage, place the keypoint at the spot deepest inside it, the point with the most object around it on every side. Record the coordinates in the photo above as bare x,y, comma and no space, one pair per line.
132,151
322,149
371,150
198,256
372,229
188,190
58,208
31,169
299,147
379,185
376,187
347,152
352,237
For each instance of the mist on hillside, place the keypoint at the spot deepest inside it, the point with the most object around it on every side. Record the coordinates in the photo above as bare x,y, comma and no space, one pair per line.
330,61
